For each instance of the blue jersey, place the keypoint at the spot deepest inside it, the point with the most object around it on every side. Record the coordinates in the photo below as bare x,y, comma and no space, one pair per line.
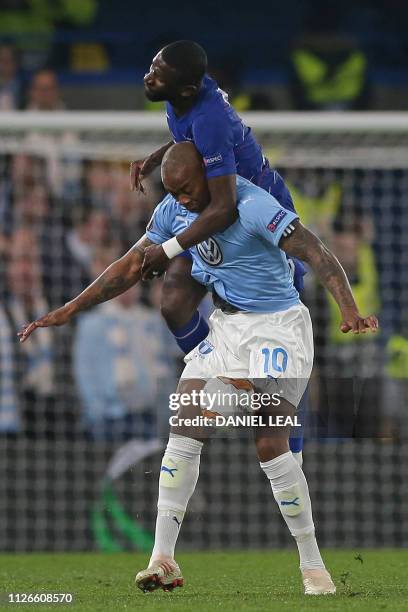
225,143
243,264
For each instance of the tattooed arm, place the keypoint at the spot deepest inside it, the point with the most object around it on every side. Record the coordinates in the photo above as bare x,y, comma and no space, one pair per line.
304,245
116,279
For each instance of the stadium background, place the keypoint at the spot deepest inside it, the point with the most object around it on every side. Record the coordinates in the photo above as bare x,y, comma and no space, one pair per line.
83,409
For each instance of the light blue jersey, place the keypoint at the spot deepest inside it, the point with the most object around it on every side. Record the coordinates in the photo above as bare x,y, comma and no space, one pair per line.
243,264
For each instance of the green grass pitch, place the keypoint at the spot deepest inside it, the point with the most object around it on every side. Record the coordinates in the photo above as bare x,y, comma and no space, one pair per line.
213,581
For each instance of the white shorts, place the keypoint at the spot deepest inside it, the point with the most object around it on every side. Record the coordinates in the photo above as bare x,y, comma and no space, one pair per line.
276,346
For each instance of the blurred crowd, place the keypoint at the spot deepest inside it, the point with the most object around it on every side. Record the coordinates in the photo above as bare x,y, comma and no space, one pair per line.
40,93
347,88
62,222
314,57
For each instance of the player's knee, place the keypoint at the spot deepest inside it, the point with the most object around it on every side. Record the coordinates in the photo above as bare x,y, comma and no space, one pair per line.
179,302
271,447
176,308
181,294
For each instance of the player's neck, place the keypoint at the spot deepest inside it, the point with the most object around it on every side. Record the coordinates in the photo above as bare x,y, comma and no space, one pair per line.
182,106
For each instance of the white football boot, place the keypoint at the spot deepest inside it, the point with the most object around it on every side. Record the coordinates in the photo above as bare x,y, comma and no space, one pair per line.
161,574
318,582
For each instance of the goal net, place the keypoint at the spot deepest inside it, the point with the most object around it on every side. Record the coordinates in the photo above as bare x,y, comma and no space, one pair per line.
84,408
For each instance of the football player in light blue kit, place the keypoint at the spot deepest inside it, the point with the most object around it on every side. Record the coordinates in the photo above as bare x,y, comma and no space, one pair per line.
260,330
197,110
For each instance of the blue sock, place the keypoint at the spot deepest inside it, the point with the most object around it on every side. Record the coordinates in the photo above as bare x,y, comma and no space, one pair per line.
296,443
296,439
191,334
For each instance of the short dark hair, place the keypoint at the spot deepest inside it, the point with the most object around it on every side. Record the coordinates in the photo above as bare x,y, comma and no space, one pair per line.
188,59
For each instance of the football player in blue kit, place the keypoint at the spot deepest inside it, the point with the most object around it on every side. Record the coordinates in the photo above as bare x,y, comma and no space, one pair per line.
198,111
260,332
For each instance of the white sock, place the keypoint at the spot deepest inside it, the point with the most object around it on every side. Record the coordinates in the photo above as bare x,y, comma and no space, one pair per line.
178,478
168,524
291,493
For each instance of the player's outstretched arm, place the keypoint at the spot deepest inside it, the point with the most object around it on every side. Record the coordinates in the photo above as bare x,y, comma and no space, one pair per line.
116,279
303,244
143,167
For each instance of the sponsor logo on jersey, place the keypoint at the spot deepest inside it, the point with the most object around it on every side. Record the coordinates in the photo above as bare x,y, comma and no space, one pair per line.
273,224
214,159
210,252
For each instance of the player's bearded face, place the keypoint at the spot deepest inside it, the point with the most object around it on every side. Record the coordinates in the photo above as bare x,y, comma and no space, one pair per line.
156,93
159,82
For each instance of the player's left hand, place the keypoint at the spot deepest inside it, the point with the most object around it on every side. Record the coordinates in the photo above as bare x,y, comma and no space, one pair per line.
155,262
357,324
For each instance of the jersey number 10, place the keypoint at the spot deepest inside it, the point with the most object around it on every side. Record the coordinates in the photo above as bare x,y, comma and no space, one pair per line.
277,359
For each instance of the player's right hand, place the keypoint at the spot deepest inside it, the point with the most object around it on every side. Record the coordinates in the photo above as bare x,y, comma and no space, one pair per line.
139,169
57,317
136,175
